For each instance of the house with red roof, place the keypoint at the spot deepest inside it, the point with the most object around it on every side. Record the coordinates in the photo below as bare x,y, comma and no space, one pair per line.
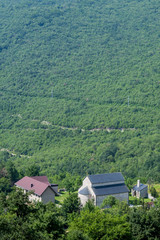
40,187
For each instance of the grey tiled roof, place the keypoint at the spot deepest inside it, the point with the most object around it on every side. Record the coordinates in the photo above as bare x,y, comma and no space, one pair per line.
84,191
111,189
106,178
142,186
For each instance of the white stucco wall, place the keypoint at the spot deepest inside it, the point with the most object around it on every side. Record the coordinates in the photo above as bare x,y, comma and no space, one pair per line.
85,198
35,198
86,182
120,196
48,195
31,197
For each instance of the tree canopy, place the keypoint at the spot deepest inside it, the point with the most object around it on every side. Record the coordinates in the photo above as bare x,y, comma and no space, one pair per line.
79,87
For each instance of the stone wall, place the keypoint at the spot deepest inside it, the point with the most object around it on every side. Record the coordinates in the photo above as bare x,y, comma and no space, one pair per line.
48,195
120,196
143,193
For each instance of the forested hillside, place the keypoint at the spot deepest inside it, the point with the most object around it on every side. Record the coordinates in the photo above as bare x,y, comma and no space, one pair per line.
79,86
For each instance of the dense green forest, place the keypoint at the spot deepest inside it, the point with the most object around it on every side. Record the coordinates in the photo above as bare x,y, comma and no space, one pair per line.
79,86
21,220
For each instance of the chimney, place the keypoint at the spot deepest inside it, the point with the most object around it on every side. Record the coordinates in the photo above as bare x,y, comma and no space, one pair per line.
138,183
31,184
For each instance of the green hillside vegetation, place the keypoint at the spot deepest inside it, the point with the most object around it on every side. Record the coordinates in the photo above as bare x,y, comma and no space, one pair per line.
79,86
21,219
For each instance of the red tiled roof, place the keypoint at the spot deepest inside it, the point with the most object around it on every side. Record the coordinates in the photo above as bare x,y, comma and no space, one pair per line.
41,179
36,184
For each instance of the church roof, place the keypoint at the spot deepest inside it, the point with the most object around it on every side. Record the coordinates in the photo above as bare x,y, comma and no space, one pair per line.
106,178
142,186
84,191
110,189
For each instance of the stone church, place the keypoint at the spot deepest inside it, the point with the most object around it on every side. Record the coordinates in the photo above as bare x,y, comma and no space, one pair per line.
98,187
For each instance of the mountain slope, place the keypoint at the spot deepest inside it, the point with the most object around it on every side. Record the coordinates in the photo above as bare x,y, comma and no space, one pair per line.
79,64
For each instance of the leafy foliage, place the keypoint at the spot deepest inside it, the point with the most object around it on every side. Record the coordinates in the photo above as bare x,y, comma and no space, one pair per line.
153,192
77,235
97,225
145,224
110,201
19,219
71,204
79,86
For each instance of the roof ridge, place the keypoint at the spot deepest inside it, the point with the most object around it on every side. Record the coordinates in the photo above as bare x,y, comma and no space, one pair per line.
102,174
48,184
106,177
42,179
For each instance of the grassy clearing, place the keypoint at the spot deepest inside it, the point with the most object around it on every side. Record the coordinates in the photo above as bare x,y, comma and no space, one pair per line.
157,187
136,201
59,199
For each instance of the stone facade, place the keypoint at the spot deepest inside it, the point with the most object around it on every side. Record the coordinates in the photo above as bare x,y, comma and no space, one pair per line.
98,187
121,196
48,196
84,198
140,190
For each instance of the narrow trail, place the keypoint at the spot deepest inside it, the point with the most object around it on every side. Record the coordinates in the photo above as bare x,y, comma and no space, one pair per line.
12,153
89,130
44,122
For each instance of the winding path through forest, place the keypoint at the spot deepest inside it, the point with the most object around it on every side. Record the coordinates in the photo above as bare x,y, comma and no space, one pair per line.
90,130
66,128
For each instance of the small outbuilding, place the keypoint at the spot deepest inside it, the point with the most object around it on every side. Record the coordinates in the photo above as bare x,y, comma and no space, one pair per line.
140,190
100,186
